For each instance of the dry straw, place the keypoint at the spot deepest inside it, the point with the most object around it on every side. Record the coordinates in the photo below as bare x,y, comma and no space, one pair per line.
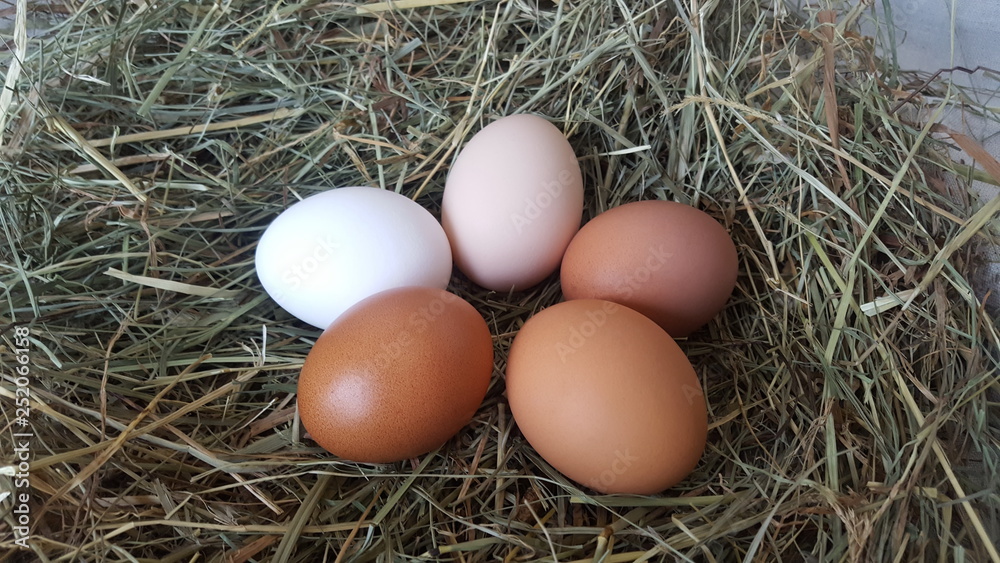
852,380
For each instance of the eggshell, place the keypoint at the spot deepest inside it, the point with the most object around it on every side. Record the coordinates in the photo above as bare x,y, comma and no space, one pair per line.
606,397
669,261
396,375
330,250
512,202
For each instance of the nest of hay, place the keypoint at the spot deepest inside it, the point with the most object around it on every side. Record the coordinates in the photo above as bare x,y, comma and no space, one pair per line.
146,146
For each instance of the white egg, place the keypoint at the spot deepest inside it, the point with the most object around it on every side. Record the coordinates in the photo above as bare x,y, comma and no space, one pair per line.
329,251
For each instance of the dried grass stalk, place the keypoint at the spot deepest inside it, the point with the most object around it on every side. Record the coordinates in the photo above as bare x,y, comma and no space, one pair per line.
852,380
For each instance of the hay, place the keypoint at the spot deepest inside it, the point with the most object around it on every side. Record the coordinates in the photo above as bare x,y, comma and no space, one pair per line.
147,145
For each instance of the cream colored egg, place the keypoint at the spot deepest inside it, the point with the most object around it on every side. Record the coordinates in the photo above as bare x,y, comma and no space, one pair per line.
512,202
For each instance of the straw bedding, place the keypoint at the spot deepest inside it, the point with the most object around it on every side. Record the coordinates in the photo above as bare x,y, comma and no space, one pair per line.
851,379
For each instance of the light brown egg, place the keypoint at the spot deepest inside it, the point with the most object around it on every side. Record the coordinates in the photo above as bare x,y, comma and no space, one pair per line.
669,261
396,375
606,397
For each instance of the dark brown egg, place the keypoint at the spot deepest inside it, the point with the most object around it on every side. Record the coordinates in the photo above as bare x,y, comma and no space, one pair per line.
396,375
669,261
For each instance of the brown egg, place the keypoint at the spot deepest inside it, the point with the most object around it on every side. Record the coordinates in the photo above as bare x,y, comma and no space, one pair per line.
606,397
669,261
396,375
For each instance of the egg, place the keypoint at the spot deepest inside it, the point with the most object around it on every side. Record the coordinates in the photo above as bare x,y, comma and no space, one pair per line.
512,202
331,250
396,376
669,261
606,397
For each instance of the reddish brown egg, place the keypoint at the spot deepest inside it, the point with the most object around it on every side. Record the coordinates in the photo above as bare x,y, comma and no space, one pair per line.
669,261
607,397
396,375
